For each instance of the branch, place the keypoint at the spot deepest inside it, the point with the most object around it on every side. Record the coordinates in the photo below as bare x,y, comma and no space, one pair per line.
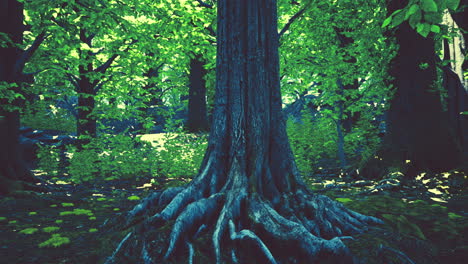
103,68
27,54
204,4
291,20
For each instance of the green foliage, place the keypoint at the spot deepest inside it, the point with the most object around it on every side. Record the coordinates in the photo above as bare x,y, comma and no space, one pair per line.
311,142
32,213
113,157
92,230
77,211
422,15
3,219
344,200
56,240
50,229
415,218
181,154
43,115
48,159
29,231
68,204
133,198
314,142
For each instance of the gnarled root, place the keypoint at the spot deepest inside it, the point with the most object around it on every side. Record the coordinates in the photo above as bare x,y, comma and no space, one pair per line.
300,228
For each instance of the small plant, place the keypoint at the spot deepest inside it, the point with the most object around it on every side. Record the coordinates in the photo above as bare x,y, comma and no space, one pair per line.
53,205
68,204
50,229
56,240
2,219
59,221
32,213
29,231
92,230
92,218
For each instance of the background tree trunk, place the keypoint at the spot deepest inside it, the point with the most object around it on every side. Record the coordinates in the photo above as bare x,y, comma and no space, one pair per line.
197,114
419,135
86,123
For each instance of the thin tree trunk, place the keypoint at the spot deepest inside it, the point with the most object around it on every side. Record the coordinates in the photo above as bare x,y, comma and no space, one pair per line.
86,123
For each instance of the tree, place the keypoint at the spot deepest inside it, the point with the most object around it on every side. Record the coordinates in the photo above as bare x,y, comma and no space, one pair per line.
197,114
419,134
13,171
248,191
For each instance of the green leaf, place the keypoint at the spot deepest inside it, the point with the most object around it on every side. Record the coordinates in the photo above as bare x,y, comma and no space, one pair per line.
415,19
435,29
29,231
387,21
423,29
133,198
452,4
398,19
344,200
412,10
433,17
429,6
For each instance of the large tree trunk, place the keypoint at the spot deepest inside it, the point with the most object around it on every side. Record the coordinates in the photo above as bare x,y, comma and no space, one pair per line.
419,135
197,115
248,192
13,170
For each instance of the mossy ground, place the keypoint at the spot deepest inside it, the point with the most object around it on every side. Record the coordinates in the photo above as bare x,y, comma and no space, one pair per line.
429,226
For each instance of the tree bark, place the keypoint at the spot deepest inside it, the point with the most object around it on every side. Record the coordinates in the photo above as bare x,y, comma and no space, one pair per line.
86,123
419,136
248,195
13,169
197,114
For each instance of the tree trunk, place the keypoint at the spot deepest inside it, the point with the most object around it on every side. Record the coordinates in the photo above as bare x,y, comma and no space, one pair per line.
86,124
197,116
248,193
419,136
13,170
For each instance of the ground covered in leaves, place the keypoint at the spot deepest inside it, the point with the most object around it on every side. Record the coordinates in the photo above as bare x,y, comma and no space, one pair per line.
426,219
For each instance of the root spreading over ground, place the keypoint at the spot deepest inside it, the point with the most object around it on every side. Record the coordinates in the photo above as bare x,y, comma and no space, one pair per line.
244,225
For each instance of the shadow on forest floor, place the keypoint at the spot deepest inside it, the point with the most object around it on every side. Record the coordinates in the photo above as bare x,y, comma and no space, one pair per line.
427,219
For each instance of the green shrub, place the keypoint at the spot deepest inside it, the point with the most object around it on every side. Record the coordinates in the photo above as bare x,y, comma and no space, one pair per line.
48,117
311,141
113,157
181,154
48,160
314,142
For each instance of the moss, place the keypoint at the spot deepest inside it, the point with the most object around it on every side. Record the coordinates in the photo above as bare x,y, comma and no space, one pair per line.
55,241
29,231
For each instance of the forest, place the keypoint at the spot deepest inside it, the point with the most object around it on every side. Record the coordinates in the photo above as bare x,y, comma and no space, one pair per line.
233,131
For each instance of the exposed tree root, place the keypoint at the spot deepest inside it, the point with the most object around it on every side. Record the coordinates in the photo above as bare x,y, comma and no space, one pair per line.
301,228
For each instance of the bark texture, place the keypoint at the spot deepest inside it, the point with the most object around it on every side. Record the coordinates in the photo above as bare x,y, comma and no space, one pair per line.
248,197
13,170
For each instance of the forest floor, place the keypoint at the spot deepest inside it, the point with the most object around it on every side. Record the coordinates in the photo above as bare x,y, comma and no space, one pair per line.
427,218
